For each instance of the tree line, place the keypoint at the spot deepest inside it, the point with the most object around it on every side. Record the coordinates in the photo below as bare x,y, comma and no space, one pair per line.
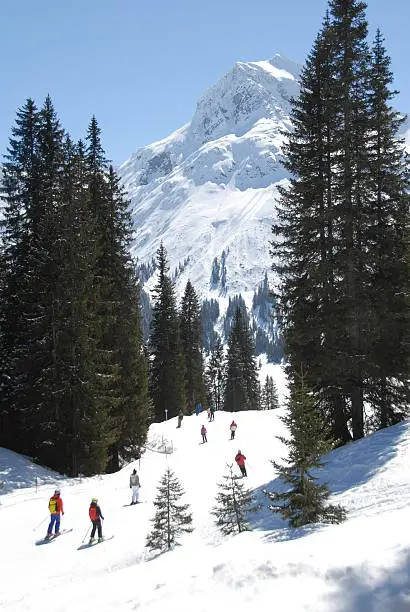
74,386
179,377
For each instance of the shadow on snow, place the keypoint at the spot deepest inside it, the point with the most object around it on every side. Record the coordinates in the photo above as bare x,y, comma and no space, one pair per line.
345,468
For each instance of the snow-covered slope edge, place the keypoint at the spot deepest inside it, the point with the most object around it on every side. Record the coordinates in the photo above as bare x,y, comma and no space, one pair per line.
361,565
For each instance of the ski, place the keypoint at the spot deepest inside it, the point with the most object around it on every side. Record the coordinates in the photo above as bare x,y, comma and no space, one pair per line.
90,545
53,537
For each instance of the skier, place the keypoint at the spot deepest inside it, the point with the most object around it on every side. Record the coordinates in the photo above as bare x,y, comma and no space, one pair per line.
180,417
95,516
240,460
212,412
55,506
203,434
135,486
233,426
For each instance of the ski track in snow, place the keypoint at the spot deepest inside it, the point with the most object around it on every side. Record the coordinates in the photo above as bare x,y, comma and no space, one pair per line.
362,565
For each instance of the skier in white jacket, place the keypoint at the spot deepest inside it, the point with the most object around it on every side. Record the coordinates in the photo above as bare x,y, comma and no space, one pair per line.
135,486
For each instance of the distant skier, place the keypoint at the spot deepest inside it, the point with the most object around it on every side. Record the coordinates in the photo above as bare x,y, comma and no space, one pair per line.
180,417
203,434
198,408
96,517
55,506
212,412
240,460
135,486
233,427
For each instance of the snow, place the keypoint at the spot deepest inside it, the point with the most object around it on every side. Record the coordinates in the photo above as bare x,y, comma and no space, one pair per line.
362,565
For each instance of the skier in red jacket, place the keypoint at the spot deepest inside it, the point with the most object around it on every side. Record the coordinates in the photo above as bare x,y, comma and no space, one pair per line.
240,460
55,506
96,517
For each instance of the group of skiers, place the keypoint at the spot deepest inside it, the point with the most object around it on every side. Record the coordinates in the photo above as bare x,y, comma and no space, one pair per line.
232,427
240,458
56,509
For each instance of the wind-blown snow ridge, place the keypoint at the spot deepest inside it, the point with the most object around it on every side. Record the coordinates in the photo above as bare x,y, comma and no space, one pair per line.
360,566
211,185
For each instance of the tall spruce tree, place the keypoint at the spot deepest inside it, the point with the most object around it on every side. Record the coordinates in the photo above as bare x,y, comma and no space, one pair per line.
172,518
269,399
20,192
388,234
241,384
191,342
134,409
215,374
327,254
167,377
78,324
233,504
305,501
305,244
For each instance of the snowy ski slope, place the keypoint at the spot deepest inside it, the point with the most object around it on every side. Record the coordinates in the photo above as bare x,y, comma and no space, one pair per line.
362,565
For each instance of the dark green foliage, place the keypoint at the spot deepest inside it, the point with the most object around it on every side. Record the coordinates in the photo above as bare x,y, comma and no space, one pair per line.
233,503
74,376
191,342
146,315
269,395
234,303
209,316
241,384
215,374
167,376
305,501
172,518
388,387
342,230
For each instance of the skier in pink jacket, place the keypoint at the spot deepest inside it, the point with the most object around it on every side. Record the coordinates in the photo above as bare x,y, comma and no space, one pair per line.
203,434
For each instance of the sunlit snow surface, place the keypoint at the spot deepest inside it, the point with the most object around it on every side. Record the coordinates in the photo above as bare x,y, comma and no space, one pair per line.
362,565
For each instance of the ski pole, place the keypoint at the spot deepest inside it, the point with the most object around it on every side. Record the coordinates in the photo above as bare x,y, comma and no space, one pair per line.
43,521
86,534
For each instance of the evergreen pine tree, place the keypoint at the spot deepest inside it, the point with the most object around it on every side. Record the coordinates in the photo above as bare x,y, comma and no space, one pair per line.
330,235
270,400
132,412
167,378
75,346
172,518
233,503
388,235
20,189
215,374
305,501
241,384
191,341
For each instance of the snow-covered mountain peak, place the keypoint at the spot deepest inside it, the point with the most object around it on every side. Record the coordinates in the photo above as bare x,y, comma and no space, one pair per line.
249,92
208,189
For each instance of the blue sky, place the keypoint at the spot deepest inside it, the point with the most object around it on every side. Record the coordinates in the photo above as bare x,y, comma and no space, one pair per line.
141,65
